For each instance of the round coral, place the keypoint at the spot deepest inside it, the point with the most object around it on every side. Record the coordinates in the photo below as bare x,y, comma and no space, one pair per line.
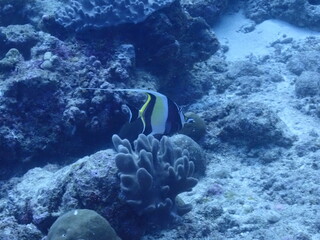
81,224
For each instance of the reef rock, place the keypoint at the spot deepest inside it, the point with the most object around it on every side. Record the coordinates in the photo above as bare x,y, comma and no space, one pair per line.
79,15
308,84
21,37
90,182
254,124
304,13
210,10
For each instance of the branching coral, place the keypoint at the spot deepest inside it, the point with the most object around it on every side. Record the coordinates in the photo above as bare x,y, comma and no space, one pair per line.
153,174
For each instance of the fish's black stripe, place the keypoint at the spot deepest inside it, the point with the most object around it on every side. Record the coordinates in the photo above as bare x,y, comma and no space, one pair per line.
173,123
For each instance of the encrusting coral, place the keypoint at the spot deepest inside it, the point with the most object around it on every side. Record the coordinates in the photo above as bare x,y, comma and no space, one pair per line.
152,175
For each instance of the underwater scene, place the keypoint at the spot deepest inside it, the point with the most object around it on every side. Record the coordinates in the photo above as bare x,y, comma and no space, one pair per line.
159,120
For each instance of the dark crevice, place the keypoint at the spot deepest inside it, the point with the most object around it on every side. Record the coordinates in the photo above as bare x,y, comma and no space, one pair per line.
314,2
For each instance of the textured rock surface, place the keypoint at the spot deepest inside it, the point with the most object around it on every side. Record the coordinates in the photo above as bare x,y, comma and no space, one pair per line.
298,12
308,84
255,125
21,37
40,104
210,10
11,59
90,182
11,230
13,12
59,190
169,38
83,14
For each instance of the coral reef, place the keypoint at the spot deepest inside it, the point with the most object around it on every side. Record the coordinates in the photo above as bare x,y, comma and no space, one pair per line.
56,190
10,229
152,175
308,84
21,37
210,10
13,12
64,116
258,150
10,61
82,14
90,182
41,108
254,124
167,38
299,12
81,224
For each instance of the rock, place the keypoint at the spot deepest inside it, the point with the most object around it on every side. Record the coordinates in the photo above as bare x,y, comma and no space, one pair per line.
210,10
171,42
243,68
308,84
79,15
123,63
255,125
90,182
11,230
304,60
21,37
9,62
13,12
303,13
273,217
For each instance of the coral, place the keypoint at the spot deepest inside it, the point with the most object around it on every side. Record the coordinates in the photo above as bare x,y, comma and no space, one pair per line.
152,175
305,60
299,12
172,40
210,10
12,58
73,186
83,14
13,12
123,63
81,224
21,37
196,154
196,128
90,182
254,124
308,84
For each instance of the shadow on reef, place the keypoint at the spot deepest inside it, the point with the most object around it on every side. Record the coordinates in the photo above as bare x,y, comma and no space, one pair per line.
167,44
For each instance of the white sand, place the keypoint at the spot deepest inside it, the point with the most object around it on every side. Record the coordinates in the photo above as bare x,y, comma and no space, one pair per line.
229,31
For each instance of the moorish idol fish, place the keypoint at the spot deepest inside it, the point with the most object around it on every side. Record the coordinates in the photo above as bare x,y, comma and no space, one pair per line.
159,115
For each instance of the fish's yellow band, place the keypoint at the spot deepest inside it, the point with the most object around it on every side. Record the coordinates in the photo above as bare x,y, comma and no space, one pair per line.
143,109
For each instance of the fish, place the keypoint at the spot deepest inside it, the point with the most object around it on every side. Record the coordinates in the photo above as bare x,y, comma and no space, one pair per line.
159,115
